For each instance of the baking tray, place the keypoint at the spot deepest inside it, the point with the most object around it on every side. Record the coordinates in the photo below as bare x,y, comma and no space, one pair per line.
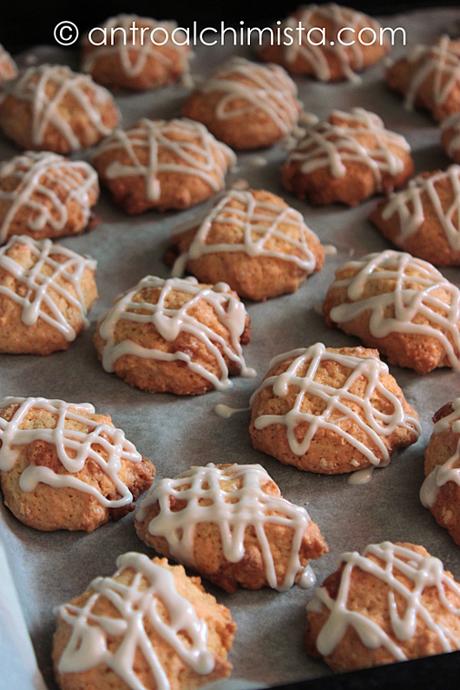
48,569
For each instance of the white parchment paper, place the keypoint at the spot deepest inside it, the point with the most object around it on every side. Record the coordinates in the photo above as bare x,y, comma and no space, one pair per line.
177,432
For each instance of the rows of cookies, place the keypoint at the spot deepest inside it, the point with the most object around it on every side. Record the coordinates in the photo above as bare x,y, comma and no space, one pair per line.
320,409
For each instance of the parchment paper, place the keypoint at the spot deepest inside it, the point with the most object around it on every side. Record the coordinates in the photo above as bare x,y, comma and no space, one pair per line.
48,569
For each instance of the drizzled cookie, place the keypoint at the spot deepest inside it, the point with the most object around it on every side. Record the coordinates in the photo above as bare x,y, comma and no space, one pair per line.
8,69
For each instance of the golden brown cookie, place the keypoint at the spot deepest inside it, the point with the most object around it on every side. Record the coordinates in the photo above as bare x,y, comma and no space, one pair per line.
247,105
393,602
423,218
158,164
450,136
347,158
331,410
253,241
8,69
62,466
180,641
45,195
46,291
402,306
231,524
54,109
429,77
440,491
138,53
175,336
321,51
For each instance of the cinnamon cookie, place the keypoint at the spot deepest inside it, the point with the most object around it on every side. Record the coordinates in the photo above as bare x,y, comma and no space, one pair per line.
331,410
158,164
347,158
152,55
249,106
45,195
8,69
62,466
429,77
149,626
175,336
231,524
54,109
402,306
450,136
392,602
253,241
423,218
321,51
46,291
440,491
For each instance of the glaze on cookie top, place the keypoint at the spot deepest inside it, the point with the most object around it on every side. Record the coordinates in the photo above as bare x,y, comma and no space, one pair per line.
45,195
151,304
408,606
258,225
48,286
333,61
95,442
368,418
245,506
390,294
134,61
158,153
424,218
8,69
58,110
429,77
148,609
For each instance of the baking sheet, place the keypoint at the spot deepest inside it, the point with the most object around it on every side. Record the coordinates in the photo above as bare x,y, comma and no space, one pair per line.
177,432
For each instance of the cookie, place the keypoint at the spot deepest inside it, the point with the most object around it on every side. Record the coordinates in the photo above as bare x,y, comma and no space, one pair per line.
253,241
450,136
440,491
392,602
8,69
175,336
45,195
402,306
246,105
148,626
331,410
63,466
423,219
46,291
52,108
429,77
158,164
153,54
320,51
231,524
346,159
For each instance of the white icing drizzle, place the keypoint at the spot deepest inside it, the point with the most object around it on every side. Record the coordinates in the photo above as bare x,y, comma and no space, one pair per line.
135,605
408,205
225,411
44,185
361,137
260,222
245,86
57,273
340,404
361,476
8,69
199,153
103,444
394,562
233,510
451,124
448,471
439,65
414,291
170,322
351,58
133,55
307,579
34,86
